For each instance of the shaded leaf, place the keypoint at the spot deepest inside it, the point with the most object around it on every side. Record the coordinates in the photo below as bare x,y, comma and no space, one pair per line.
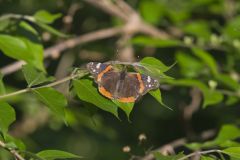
51,30
33,76
206,58
12,142
7,116
56,154
87,92
157,95
31,155
159,156
2,88
155,42
206,158
53,99
210,96
46,17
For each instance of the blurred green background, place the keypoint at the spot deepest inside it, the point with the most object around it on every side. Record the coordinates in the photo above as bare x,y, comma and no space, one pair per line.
212,25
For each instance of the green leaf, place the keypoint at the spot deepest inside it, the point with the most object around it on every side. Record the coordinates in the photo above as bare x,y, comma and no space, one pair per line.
200,29
7,116
153,67
155,42
190,66
2,88
12,142
87,92
46,17
126,107
31,155
53,99
231,30
4,24
33,76
225,135
206,58
228,81
52,30
210,96
233,152
14,47
159,156
157,95
56,154
151,11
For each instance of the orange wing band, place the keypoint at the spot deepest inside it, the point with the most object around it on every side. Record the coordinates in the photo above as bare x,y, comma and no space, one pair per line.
104,92
108,68
127,100
141,83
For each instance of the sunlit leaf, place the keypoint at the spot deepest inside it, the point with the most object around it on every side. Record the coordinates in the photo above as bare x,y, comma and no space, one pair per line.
33,76
46,17
152,11
53,99
56,154
126,107
87,92
233,152
7,116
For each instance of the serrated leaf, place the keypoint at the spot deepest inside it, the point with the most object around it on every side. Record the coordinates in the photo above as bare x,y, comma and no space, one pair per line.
126,107
46,17
56,154
233,152
210,96
87,92
51,30
207,59
7,116
53,99
157,95
155,42
33,76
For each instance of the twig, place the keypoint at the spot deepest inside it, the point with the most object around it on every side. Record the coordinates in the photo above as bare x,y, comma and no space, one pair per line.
177,143
200,153
96,35
48,85
12,151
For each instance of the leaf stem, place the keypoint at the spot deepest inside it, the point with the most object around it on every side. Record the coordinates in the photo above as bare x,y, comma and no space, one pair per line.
44,86
200,153
12,151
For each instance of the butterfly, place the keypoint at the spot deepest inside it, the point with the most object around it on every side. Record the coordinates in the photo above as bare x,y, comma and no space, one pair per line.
122,86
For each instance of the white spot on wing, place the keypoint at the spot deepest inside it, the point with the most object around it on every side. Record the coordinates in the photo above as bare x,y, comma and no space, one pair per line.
94,70
149,85
148,79
98,65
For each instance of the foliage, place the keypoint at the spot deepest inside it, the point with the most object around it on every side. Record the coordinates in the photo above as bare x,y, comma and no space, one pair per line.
202,50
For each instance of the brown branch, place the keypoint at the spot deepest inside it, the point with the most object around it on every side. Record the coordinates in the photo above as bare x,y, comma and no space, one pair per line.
56,49
12,151
177,143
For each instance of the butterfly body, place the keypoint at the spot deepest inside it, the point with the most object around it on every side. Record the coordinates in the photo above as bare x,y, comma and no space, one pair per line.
120,85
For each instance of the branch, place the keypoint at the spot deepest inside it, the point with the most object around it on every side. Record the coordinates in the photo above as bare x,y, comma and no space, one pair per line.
200,153
12,151
48,85
51,51
177,143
